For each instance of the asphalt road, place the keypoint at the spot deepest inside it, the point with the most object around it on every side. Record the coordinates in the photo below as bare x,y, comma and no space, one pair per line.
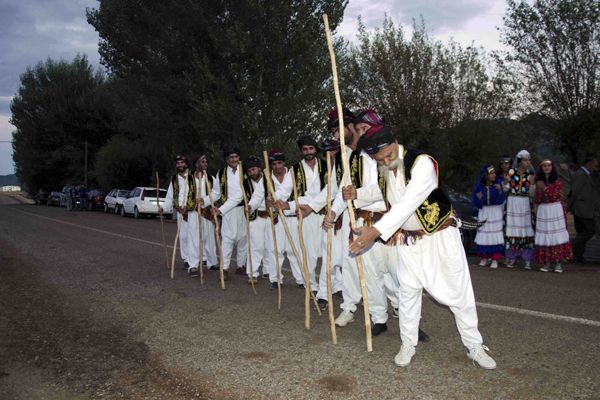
87,310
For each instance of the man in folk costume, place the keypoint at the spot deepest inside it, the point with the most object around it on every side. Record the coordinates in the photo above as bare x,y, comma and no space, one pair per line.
341,230
261,236
310,175
282,184
331,146
227,190
366,192
430,252
209,249
181,196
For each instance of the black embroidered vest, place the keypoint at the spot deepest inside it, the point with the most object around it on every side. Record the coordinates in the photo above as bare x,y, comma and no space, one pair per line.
191,196
356,165
222,174
436,209
249,189
300,177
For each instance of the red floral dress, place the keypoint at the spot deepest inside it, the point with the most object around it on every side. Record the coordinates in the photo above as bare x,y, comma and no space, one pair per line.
557,253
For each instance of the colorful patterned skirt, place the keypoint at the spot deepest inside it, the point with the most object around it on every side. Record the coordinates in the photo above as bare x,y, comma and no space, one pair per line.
551,235
490,236
519,241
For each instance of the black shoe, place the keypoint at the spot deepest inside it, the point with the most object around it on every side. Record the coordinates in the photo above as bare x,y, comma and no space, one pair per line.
377,329
423,337
240,271
273,285
322,303
300,285
193,272
186,266
265,276
213,268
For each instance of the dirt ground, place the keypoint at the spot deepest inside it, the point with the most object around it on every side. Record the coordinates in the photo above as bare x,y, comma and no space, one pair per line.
87,311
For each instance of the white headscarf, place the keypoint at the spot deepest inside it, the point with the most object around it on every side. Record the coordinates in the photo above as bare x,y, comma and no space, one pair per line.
520,155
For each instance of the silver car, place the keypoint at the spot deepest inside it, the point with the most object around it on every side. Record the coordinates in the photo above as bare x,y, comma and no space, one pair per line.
114,200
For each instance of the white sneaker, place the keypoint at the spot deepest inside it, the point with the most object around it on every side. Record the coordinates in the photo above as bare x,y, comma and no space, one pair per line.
527,265
344,318
483,262
494,264
478,354
404,356
545,268
509,263
558,268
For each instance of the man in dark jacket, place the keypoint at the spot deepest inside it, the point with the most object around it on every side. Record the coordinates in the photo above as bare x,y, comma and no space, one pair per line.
583,204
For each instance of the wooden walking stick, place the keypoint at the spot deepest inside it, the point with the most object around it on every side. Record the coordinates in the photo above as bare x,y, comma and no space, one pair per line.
286,228
162,224
217,233
174,251
307,288
199,210
267,177
328,259
247,215
338,103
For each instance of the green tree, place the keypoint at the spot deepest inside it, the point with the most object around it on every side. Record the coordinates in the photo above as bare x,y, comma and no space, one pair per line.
59,106
193,76
555,55
421,85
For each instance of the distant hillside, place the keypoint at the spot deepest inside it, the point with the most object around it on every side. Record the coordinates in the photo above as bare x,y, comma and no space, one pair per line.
9,180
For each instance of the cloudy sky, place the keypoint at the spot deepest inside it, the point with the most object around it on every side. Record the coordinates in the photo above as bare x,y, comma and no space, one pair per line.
33,30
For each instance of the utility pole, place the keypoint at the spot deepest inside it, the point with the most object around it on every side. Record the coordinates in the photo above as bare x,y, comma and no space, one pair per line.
85,167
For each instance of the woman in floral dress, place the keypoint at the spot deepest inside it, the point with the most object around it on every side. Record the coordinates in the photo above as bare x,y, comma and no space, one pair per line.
552,244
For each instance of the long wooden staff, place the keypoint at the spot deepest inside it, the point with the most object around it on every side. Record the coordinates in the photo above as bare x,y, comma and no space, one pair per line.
162,224
174,250
267,177
217,233
286,228
328,259
247,215
307,288
338,102
199,209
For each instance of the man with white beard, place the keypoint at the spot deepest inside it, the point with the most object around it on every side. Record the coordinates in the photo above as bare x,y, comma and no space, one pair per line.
430,252
181,196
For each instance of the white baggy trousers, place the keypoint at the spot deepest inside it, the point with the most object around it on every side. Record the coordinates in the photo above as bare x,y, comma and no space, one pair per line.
233,232
189,240
438,264
209,251
261,247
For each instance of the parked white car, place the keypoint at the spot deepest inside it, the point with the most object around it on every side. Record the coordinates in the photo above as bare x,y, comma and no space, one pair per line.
114,200
142,201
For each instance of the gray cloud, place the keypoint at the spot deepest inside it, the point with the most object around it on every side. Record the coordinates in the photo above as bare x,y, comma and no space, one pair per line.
440,16
30,32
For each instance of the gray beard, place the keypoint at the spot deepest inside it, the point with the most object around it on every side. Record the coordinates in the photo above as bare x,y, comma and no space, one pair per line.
397,164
